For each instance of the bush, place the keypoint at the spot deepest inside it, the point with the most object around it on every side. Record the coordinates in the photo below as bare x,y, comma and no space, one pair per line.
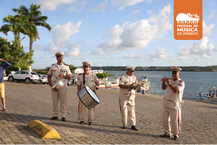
103,75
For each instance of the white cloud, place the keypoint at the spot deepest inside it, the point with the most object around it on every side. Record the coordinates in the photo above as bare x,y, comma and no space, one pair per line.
61,33
207,30
52,47
72,9
100,6
135,35
201,49
51,5
134,12
125,3
73,52
158,54
212,15
134,56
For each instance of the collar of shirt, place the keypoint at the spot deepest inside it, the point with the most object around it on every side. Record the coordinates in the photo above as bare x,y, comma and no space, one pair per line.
59,65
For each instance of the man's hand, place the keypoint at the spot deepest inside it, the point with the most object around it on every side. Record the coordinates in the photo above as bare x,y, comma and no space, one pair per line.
1,59
131,86
50,84
168,80
61,76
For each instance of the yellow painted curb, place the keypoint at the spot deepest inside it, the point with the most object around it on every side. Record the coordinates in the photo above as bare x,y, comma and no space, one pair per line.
43,130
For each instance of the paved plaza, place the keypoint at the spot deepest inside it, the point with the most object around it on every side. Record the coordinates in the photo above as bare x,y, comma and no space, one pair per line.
26,102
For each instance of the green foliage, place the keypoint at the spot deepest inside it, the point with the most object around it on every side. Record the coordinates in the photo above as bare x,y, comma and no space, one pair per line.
72,68
34,17
18,26
47,68
41,72
103,75
15,54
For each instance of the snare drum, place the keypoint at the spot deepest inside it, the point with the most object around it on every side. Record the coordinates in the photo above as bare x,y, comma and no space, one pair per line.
57,85
88,97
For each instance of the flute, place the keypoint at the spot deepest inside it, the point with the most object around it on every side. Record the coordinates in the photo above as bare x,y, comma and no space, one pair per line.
168,78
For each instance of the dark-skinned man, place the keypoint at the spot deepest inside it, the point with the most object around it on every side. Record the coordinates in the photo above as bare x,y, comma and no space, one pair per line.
127,98
90,80
2,85
172,103
59,70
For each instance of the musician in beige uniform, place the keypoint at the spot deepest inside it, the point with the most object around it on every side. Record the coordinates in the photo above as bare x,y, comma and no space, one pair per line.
127,98
91,81
172,103
57,71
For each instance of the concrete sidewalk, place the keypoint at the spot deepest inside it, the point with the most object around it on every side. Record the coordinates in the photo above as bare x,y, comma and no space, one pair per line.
26,102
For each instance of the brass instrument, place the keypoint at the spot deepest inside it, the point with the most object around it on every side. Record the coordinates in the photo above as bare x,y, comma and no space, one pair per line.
136,85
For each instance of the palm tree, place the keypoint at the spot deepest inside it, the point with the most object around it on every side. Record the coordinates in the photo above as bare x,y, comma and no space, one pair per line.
18,25
35,18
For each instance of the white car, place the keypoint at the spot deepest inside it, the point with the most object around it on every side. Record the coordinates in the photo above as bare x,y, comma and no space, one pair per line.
42,79
26,76
70,82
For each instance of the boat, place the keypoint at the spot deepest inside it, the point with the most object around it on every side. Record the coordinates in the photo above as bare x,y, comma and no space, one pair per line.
209,94
109,84
145,84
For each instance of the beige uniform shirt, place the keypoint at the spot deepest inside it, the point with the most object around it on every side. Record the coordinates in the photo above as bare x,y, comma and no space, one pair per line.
90,80
124,94
171,99
55,71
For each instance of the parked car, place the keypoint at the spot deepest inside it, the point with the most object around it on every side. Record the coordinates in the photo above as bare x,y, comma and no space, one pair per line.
42,79
26,76
70,82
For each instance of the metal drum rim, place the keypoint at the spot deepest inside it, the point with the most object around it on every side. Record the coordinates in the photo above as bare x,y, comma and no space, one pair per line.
89,95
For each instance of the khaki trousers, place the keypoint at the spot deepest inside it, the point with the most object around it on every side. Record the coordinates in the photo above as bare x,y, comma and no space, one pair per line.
128,106
2,90
81,112
61,96
173,117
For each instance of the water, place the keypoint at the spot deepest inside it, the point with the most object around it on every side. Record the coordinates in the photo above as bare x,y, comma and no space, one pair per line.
195,82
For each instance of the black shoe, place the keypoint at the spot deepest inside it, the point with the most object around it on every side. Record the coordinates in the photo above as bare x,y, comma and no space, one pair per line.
124,127
134,128
165,135
54,118
90,123
81,122
63,119
175,137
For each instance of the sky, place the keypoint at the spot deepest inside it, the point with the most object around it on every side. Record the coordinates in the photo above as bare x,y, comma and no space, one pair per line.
116,33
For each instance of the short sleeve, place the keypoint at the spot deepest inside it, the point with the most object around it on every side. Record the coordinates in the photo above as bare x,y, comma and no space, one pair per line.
96,79
68,71
50,71
121,81
181,86
78,81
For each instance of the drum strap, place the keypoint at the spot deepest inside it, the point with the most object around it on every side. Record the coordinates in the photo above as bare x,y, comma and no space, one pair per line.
83,79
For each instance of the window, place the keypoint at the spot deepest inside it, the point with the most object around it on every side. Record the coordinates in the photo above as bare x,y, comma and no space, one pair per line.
19,72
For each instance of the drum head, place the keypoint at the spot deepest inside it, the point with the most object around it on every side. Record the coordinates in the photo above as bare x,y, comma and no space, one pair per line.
92,94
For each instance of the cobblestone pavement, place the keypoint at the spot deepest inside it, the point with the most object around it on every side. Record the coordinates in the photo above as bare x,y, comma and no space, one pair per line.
26,102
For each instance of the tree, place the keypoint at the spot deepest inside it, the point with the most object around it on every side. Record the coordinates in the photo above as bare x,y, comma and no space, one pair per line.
18,25
15,54
72,68
34,17
103,75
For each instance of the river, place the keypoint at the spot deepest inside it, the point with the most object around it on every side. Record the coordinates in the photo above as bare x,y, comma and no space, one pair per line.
195,82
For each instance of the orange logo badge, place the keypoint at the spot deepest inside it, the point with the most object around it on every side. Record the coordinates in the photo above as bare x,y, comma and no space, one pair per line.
188,19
